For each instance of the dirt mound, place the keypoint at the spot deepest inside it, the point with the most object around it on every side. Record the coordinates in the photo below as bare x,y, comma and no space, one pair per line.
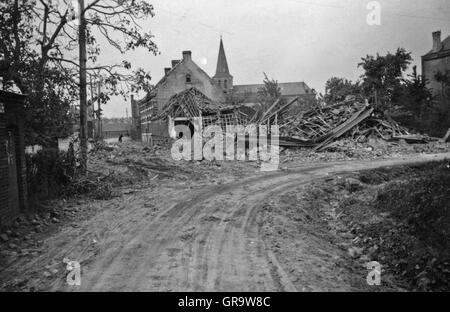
402,221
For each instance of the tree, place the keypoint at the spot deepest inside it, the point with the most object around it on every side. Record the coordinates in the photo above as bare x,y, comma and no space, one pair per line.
25,49
416,97
109,17
269,93
383,75
38,36
336,89
444,79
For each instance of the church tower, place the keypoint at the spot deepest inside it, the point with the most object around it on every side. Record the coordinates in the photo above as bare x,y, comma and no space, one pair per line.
222,77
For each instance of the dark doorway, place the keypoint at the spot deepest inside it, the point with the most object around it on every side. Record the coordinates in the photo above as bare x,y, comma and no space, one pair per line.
186,123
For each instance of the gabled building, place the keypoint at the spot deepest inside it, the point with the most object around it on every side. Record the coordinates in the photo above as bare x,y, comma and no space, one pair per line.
437,60
185,74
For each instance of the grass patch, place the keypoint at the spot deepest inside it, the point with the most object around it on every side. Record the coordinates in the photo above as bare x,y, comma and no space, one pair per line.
412,236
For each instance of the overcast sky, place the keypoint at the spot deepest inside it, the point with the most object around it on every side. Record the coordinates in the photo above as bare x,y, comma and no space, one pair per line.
290,40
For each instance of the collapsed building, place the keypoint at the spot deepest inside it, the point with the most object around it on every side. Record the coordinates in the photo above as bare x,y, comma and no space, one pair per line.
195,110
220,89
186,92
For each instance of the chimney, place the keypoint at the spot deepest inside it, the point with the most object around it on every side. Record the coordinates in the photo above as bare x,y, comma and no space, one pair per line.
175,62
187,55
167,70
437,41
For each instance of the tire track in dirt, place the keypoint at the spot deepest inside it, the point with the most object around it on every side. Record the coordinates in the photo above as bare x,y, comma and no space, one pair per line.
206,240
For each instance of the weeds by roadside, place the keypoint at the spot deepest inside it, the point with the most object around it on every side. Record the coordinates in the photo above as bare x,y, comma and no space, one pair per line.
405,223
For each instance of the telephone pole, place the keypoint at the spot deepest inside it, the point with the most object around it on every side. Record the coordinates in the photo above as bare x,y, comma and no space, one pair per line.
99,110
83,93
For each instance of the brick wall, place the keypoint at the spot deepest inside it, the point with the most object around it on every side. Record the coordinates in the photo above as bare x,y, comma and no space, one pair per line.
433,63
12,119
4,213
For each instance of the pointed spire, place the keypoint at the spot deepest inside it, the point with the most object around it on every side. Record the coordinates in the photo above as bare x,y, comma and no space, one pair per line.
222,65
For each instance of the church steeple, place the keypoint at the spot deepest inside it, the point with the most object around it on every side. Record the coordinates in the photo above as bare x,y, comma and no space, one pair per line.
222,76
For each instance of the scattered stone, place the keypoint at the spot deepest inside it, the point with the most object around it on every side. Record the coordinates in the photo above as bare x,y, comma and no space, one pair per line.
24,253
4,237
21,219
353,185
355,252
15,234
365,258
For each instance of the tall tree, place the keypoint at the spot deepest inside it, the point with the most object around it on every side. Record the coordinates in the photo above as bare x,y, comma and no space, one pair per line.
416,97
383,75
444,79
336,89
270,92
42,35
26,42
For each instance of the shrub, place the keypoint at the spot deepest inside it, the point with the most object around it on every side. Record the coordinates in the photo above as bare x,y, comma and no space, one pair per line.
48,172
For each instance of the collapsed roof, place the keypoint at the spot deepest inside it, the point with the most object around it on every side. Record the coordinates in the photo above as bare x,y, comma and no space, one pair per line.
191,103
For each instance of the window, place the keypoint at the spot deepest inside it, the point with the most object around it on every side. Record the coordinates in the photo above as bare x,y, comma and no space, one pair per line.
188,78
225,84
220,84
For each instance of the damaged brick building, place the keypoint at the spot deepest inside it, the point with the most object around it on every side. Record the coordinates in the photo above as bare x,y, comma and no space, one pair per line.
185,74
435,61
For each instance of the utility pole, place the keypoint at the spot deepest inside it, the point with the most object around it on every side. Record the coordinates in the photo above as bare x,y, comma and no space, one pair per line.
99,111
92,104
83,93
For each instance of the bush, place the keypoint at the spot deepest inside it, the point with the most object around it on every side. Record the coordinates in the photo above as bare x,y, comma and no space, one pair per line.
435,120
48,172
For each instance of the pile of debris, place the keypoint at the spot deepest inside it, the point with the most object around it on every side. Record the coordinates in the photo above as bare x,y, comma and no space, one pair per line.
320,127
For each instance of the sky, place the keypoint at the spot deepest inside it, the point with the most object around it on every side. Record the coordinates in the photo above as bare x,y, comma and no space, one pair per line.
290,40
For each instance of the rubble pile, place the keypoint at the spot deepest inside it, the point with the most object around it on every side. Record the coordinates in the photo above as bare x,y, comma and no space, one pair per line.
322,128
318,123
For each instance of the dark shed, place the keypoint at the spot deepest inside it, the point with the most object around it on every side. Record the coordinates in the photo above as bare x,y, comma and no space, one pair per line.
13,182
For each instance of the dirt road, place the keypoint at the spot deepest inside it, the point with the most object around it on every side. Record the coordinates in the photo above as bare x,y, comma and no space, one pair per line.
188,237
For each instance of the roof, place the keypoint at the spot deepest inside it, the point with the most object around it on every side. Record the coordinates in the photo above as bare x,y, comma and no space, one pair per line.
445,44
152,92
189,103
222,64
12,95
287,88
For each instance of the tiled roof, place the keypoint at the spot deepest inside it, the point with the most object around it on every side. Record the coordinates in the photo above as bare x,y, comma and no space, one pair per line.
445,46
287,88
